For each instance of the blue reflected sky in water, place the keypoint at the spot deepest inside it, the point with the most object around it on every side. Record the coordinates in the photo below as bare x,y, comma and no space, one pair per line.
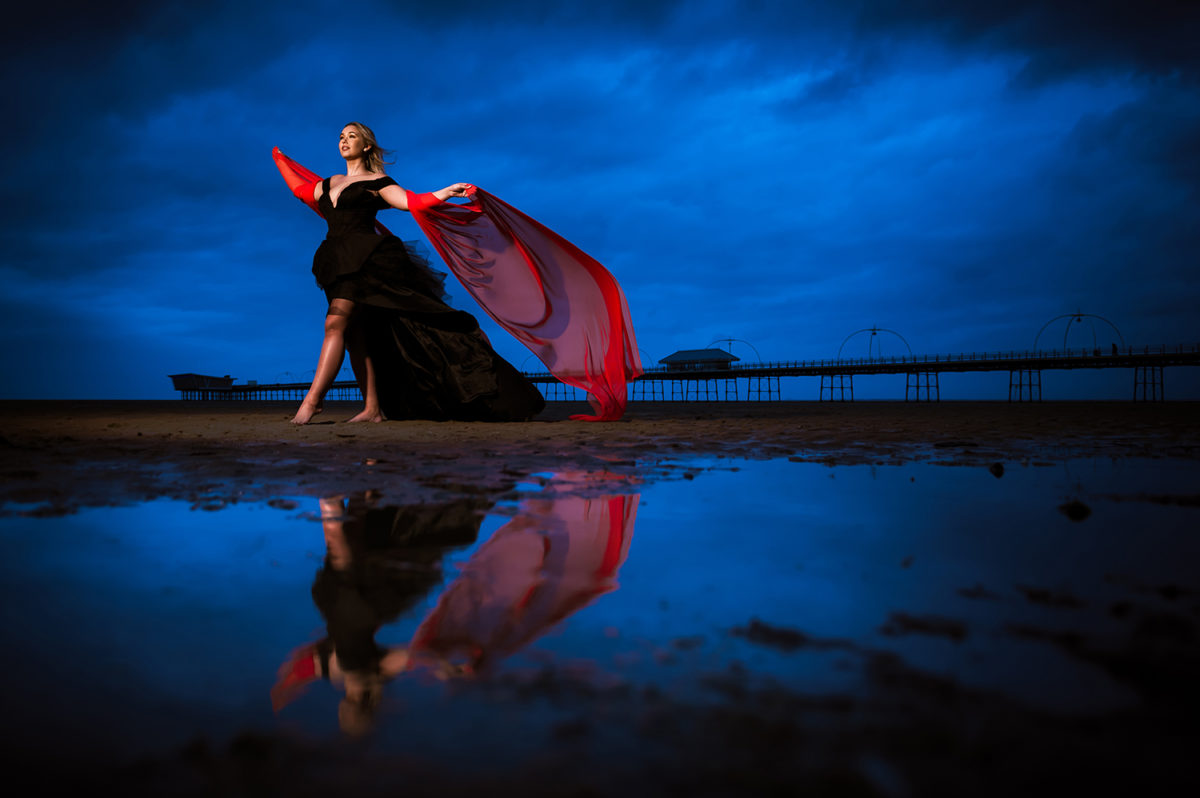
155,611
823,550
169,622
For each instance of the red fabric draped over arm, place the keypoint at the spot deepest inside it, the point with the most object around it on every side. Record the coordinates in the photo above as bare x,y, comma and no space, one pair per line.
550,295
301,181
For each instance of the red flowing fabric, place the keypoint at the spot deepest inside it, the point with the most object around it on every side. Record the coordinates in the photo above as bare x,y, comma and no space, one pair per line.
551,296
554,558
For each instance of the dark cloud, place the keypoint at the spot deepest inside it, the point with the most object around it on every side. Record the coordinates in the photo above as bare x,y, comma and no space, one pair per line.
616,14
1059,39
832,89
1160,131
123,58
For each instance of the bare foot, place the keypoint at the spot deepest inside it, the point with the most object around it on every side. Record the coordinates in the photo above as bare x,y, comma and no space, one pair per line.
305,413
374,416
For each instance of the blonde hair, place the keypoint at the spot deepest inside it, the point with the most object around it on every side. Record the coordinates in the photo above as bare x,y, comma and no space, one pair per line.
374,155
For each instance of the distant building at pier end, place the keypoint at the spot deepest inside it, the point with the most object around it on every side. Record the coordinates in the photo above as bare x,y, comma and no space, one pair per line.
699,360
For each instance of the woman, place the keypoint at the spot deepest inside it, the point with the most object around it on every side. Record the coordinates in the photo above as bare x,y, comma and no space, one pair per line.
413,355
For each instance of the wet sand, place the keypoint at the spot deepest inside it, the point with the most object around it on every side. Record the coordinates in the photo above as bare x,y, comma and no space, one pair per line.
909,732
60,455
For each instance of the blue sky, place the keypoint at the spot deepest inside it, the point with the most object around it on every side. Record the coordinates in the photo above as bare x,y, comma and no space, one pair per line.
783,173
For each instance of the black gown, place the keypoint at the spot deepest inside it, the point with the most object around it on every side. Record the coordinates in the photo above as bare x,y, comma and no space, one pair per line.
430,360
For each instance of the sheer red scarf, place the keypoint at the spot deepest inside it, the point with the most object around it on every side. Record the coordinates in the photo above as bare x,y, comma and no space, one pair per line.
551,296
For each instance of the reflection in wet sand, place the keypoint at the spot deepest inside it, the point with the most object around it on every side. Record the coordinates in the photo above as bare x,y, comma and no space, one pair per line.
379,562
553,559
784,628
557,555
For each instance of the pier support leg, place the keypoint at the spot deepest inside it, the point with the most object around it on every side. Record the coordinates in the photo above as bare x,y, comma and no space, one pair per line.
917,381
1026,384
1148,384
839,384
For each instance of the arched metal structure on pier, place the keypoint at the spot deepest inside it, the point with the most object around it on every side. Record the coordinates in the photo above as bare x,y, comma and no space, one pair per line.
920,385
1077,318
1025,384
760,388
874,333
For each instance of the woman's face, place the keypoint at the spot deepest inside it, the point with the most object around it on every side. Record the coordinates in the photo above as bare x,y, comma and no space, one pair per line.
351,143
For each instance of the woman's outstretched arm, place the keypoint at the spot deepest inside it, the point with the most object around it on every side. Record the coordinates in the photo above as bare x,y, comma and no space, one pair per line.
397,197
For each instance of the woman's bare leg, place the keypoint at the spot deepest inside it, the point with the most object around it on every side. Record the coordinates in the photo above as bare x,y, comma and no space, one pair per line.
364,372
329,363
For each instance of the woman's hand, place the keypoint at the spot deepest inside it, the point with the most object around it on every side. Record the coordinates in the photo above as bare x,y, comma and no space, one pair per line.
456,190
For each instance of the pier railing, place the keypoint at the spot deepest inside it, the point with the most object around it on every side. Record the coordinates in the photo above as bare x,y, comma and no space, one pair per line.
965,361
665,383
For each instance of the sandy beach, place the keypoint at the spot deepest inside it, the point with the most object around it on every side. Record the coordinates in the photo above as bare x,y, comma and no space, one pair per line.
963,598
58,455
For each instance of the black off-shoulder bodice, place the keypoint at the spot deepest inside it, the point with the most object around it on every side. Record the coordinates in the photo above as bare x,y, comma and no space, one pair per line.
357,205
351,238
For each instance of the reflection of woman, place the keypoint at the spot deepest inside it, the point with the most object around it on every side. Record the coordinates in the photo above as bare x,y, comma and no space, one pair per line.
413,355
554,558
379,563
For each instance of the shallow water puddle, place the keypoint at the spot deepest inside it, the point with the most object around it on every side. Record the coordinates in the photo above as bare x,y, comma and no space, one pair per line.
527,615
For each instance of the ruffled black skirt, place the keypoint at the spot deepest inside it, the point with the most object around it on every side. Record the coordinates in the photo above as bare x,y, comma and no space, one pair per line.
431,361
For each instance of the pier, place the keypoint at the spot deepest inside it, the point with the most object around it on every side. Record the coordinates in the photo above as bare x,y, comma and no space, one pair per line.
761,381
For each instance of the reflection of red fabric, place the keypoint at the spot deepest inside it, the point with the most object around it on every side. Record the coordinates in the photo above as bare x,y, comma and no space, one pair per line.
550,295
294,676
550,561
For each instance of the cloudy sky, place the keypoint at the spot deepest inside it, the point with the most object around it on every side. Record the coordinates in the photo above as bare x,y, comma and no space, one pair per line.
781,173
